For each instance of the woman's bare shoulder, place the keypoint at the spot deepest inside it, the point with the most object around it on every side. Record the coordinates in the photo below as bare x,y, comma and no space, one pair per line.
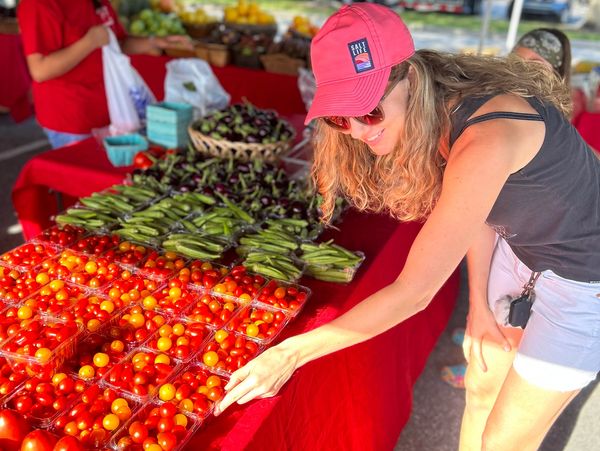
505,103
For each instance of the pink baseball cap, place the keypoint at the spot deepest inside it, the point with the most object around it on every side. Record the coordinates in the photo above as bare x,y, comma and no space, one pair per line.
352,56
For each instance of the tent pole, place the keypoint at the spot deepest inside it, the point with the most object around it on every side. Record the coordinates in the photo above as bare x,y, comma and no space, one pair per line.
485,26
513,27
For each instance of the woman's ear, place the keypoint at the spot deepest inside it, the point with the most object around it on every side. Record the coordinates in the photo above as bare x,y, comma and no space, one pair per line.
412,74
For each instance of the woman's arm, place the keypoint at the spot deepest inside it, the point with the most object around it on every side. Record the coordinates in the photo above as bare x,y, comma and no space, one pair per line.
55,64
481,161
154,45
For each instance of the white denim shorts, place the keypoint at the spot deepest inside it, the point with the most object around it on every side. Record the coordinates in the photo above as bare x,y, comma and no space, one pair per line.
560,348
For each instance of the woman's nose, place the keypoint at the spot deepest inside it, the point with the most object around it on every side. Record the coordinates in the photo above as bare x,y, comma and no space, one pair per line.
357,130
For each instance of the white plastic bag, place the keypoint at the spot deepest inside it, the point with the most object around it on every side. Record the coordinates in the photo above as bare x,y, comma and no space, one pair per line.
126,92
192,81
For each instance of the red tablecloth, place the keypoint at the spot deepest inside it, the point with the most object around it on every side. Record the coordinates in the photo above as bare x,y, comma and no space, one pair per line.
588,125
14,78
356,399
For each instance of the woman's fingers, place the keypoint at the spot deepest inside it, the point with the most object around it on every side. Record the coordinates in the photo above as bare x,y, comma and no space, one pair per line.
500,338
233,395
237,377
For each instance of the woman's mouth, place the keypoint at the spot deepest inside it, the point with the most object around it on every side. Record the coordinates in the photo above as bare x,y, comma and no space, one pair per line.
374,139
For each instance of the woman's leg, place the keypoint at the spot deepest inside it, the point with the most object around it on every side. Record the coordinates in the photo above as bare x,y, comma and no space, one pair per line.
522,415
482,388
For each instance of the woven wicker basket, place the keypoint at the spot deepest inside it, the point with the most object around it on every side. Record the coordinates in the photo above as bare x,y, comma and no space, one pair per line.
280,63
239,150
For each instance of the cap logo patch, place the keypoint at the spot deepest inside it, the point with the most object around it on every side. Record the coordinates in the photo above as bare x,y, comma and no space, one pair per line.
361,55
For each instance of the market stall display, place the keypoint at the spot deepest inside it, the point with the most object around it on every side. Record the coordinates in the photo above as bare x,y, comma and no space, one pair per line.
118,305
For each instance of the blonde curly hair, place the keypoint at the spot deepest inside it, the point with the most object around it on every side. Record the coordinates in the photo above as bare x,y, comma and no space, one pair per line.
406,183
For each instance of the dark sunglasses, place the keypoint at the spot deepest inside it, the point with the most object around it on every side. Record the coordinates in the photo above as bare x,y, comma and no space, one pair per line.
374,117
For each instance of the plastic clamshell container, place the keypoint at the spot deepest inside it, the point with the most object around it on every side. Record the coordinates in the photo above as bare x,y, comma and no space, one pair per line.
212,228
43,416
221,245
28,256
161,265
132,319
96,407
8,318
93,311
196,378
203,274
60,236
129,254
122,148
120,441
239,284
91,345
76,210
312,232
83,270
10,381
266,268
173,300
55,298
334,273
95,244
213,310
130,288
115,376
225,364
17,286
288,297
259,322
181,340
65,339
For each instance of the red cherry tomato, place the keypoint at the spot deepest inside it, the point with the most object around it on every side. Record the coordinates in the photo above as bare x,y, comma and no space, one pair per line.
39,440
68,443
13,428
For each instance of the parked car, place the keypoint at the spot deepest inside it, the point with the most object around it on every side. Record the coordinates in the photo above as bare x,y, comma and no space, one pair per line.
555,10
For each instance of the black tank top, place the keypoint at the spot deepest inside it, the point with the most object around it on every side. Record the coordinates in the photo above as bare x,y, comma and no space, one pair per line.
549,211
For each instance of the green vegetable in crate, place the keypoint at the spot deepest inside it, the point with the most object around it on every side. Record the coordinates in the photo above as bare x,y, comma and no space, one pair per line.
329,261
271,240
197,246
156,220
272,265
245,123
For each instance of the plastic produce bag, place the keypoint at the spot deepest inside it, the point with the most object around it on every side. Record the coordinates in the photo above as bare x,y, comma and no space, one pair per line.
126,92
192,81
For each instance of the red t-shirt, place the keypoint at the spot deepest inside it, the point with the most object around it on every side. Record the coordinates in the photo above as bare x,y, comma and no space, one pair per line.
75,102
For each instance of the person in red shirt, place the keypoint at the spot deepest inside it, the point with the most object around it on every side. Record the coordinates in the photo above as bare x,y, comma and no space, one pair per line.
62,40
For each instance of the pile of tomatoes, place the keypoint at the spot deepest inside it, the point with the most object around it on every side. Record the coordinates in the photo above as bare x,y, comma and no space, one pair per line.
112,344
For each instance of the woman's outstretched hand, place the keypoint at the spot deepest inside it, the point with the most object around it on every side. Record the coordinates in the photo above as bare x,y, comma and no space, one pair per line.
262,377
482,324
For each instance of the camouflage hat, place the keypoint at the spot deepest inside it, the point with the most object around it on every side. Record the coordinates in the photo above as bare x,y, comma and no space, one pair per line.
544,44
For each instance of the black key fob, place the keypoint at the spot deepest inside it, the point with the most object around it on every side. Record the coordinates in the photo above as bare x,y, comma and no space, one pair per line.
519,312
